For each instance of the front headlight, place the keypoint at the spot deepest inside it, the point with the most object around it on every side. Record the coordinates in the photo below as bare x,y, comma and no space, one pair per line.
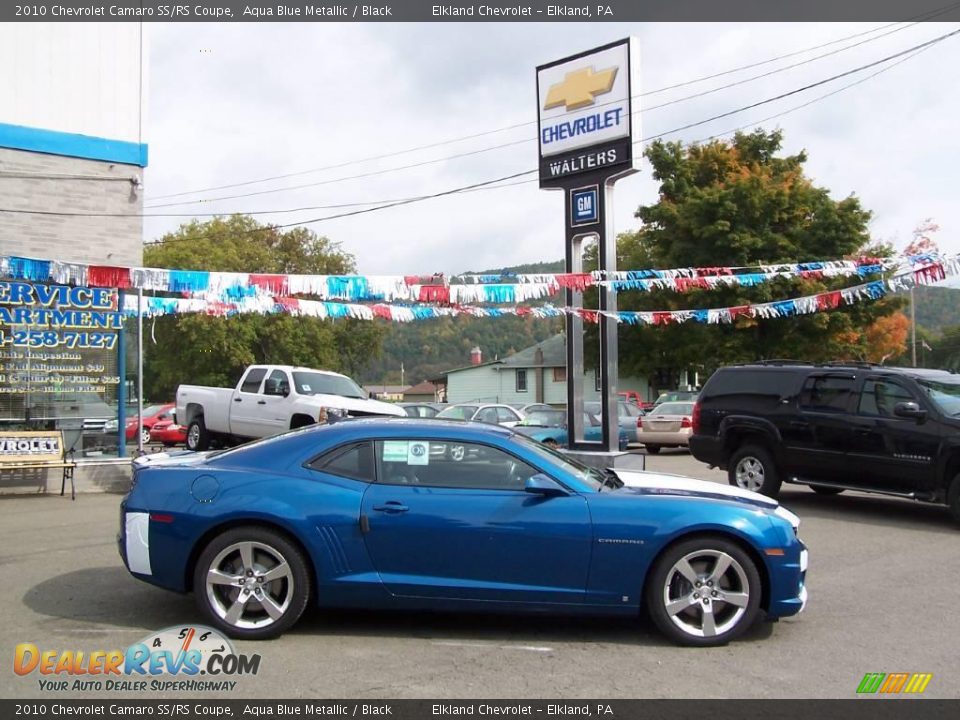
111,426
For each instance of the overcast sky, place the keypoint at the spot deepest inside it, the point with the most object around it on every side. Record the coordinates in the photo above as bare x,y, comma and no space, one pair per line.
231,103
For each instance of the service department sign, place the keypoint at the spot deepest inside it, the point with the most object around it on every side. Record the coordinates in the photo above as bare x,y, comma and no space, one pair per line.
585,112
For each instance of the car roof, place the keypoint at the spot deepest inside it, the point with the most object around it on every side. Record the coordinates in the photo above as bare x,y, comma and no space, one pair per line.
868,367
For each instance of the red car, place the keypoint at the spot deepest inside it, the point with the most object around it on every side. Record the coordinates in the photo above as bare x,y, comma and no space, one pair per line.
151,416
168,433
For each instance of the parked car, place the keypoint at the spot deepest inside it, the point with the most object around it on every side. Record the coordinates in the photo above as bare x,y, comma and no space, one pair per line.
151,415
269,399
527,408
876,429
676,396
550,428
485,413
627,414
633,396
168,433
421,410
669,424
360,514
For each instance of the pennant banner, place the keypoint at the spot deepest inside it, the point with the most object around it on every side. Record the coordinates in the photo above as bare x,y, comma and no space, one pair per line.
263,304
471,289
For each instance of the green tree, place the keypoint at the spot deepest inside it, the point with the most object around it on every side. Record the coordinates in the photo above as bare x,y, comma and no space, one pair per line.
739,203
200,349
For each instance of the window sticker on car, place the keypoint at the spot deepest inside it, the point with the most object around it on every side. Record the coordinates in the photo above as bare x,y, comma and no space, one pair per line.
418,453
395,451
304,388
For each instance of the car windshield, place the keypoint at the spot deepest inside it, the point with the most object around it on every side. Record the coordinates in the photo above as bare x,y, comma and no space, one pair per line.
674,408
544,418
945,395
458,412
314,383
593,478
152,410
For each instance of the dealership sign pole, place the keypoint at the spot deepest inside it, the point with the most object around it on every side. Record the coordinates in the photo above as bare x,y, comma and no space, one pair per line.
586,127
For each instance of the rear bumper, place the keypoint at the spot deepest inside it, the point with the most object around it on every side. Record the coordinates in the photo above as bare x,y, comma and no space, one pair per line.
663,438
707,450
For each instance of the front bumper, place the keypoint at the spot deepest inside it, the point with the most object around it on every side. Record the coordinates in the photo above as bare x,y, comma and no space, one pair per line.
788,585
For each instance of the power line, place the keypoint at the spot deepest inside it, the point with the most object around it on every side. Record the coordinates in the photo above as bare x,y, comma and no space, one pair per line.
486,185
913,21
905,54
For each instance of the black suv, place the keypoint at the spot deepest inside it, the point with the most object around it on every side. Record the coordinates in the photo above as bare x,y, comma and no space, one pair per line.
833,427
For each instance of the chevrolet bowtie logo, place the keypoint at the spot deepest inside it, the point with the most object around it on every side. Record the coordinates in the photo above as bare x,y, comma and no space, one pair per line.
580,88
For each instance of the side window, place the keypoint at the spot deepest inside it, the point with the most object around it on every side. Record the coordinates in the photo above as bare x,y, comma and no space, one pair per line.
277,384
251,383
463,466
826,393
521,380
506,415
879,397
487,415
352,461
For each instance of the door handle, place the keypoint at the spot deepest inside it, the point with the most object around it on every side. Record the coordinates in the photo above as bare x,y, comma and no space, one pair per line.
261,402
391,506
238,399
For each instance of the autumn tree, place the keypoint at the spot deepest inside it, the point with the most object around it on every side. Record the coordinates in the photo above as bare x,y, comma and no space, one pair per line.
204,350
739,203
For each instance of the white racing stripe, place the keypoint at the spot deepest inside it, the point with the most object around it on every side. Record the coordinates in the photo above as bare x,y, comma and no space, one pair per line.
663,481
137,527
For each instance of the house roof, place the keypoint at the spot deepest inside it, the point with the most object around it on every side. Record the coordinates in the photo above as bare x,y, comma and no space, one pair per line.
424,388
554,355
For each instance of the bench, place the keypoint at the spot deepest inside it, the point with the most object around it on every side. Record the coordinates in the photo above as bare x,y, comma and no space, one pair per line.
37,450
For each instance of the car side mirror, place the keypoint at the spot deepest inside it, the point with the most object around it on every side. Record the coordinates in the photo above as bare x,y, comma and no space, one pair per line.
284,389
909,410
544,486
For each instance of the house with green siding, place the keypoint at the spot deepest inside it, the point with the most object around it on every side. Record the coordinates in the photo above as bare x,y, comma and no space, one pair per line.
537,374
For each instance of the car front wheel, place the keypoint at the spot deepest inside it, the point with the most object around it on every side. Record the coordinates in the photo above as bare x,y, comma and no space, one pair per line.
252,583
703,591
752,468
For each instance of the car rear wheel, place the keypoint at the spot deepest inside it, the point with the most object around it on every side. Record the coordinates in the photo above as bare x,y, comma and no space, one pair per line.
752,468
825,490
197,436
652,449
703,591
252,583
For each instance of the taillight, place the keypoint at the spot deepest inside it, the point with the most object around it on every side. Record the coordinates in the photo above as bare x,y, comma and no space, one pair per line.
686,422
695,422
639,422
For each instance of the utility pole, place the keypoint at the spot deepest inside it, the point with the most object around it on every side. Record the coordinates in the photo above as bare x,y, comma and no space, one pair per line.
913,326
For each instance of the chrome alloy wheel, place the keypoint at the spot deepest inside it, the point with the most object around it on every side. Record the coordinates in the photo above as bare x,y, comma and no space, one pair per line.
193,437
750,474
706,593
458,452
145,436
249,585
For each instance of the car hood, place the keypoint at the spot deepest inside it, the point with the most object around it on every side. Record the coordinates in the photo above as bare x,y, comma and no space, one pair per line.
648,483
356,406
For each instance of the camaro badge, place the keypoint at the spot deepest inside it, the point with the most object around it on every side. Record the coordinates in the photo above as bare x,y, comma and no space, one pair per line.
580,88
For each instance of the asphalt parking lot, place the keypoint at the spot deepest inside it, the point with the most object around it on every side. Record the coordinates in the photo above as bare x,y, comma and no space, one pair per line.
877,604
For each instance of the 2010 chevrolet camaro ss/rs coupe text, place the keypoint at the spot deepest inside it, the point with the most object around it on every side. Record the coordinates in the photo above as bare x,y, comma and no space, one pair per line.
362,514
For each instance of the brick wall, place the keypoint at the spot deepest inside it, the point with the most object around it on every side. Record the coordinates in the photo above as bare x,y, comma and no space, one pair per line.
95,240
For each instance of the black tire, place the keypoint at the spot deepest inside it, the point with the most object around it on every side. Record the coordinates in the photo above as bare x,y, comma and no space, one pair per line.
953,498
551,443
741,580
756,470
198,439
825,490
652,449
290,593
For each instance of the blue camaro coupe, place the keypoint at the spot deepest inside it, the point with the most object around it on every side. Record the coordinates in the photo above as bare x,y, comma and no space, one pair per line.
362,514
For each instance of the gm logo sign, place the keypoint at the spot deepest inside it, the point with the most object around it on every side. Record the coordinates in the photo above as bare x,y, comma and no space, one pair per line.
585,205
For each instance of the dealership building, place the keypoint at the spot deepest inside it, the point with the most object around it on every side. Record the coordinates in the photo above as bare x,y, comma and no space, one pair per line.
72,156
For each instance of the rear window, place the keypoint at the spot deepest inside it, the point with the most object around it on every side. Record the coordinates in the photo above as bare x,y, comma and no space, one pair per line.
751,381
673,408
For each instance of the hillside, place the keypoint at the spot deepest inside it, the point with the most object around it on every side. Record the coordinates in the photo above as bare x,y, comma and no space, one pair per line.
431,347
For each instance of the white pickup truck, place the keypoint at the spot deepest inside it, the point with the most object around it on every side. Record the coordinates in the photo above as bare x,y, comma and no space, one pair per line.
270,399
